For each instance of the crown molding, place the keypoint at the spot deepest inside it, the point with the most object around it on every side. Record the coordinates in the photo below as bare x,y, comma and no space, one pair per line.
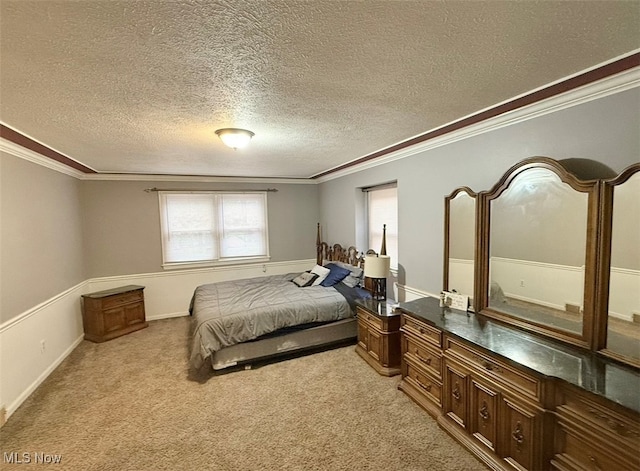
23,153
608,86
192,178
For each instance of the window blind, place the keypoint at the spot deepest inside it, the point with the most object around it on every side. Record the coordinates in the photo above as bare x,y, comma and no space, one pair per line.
213,226
382,208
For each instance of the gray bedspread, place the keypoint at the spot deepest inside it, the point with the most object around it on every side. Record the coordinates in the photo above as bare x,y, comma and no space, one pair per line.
232,312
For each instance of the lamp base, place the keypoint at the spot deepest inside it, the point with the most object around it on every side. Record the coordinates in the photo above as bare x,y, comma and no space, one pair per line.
379,289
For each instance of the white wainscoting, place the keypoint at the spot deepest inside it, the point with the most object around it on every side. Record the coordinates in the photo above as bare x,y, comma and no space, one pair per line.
406,293
461,276
547,284
624,293
58,321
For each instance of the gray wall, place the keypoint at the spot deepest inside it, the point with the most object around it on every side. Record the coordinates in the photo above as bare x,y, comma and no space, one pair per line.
121,223
604,130
58,231
41,235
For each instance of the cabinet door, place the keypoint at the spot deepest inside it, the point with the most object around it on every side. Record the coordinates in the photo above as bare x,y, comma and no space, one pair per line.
114,319
456,393
483,416
375,345
363,334
520,435
134,313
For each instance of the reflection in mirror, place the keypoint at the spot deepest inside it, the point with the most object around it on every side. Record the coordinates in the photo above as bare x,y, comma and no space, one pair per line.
623,326
537,250
461,232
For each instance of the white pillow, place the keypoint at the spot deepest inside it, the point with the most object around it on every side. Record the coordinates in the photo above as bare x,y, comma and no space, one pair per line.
322,273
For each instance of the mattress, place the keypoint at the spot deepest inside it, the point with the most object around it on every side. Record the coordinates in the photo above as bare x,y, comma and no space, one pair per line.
233,312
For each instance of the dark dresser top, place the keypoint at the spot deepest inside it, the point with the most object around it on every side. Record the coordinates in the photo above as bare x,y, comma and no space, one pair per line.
587,370
384,308
112,291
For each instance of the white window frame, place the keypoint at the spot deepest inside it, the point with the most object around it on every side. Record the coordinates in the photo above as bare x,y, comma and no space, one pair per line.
367,192
216,237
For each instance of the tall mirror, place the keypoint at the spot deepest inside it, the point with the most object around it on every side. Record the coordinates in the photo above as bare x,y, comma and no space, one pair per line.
623,323
459,246
538,264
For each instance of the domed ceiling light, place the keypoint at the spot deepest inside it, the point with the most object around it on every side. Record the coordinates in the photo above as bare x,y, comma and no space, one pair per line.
234,137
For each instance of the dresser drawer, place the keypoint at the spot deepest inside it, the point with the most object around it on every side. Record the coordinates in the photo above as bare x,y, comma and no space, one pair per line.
420,353
581,454
119,300
595,435
428,386
421,329
508,377
371,319
591,415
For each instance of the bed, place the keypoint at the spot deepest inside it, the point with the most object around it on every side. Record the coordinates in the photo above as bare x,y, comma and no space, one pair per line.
244,321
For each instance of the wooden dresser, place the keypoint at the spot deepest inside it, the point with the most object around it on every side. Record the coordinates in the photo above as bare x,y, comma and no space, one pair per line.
111,313
516,400
379,335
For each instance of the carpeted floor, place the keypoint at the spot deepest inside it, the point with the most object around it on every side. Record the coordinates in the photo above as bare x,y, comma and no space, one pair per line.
128,404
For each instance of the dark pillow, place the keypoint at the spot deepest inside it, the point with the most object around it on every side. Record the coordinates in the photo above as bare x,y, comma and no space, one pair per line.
304,279
354,278
336,275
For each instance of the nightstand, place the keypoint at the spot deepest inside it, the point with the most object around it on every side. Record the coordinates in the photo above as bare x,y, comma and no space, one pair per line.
114,312
379,335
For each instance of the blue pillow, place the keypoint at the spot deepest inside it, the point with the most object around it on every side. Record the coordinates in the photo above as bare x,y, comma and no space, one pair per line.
335,276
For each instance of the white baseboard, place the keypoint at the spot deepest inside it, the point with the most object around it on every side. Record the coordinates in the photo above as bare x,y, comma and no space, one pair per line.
38,381
25,363
168,315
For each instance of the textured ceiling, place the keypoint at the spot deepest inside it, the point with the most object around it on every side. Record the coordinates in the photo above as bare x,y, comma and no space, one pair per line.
141,86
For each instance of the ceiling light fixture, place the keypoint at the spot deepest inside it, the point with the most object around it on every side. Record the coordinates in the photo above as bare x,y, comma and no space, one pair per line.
234,137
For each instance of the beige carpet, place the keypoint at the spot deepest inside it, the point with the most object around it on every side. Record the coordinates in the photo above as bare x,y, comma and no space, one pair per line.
127,404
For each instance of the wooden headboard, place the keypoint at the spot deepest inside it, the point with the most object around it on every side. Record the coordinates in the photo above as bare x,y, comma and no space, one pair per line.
337,252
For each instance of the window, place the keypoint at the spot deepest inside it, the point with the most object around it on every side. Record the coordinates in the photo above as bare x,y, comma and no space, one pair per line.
204,227
382,208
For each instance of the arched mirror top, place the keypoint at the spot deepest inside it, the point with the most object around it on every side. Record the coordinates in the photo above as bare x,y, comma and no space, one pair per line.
461,192
538,165
459,241
625,175
538,237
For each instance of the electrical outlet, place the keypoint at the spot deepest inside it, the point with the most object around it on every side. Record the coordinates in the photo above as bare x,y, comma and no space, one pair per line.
43,346
522,283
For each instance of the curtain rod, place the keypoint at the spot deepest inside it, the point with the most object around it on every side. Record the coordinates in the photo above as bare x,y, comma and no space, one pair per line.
149,190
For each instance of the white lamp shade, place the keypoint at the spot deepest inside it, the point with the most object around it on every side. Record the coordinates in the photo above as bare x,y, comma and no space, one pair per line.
377,267
235,138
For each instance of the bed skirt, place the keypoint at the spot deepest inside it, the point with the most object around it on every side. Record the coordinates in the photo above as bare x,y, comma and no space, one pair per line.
274,346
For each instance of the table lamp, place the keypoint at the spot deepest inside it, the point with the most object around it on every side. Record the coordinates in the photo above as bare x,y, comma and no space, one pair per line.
377,267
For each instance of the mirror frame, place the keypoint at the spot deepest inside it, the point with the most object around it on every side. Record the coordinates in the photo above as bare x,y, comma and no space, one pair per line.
447,223
604,255
482,282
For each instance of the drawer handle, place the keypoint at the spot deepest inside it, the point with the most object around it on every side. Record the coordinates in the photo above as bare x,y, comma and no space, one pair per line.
594,461
456,392
422,331
517,435
426,387
487,365
484,412
423,359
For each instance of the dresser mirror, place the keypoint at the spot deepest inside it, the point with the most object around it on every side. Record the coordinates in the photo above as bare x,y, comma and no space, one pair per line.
623,320
459,245
537,233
